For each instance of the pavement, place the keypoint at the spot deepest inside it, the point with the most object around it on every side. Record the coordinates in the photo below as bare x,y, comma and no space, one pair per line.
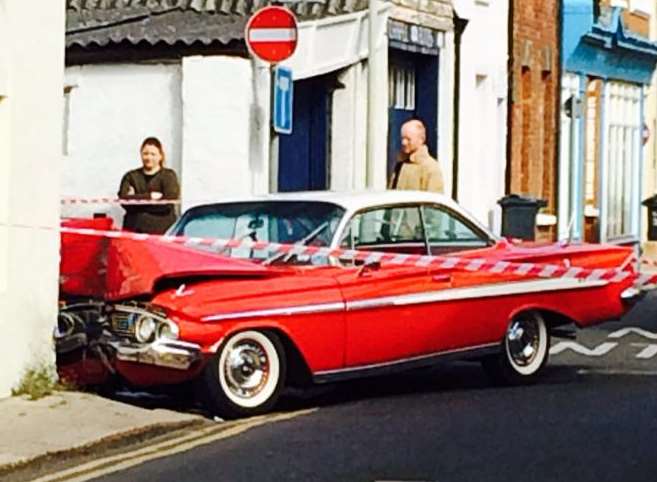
68,423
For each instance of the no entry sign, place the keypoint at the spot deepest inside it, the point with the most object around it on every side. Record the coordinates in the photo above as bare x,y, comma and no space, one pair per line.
271,34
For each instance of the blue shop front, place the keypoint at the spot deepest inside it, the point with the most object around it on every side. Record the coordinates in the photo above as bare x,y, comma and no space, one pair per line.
606,70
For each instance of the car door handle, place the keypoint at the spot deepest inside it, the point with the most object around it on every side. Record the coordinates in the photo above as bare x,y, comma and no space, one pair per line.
441,278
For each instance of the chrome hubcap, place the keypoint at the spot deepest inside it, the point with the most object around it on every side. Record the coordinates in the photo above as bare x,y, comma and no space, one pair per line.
523,338
246,369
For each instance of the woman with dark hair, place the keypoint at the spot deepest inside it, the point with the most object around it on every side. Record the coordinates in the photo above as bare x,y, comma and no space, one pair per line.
152,182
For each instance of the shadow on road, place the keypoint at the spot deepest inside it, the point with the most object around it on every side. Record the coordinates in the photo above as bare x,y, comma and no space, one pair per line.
453,377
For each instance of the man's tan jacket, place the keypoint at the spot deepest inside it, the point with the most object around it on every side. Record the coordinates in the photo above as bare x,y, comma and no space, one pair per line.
420,172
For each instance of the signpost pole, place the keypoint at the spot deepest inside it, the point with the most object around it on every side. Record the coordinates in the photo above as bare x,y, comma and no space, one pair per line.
271,36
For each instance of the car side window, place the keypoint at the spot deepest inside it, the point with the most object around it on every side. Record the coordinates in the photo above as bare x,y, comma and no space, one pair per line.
387,226
446,231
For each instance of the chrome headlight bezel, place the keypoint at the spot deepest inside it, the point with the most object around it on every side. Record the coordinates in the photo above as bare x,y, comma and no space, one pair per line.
146,328
168,330
144,324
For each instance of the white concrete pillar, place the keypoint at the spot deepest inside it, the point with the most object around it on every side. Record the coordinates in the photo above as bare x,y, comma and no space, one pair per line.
344,131
30,157
349,129
378,120
446,75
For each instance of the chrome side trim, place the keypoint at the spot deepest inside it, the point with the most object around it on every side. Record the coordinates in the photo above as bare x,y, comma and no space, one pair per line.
447,294
485,291
288,311
403,363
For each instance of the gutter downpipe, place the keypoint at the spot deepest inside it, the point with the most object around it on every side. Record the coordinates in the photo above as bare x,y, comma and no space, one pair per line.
510,98
556,160
459,27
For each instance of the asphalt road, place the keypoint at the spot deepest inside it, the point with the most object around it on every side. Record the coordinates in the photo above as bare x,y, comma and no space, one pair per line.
592,418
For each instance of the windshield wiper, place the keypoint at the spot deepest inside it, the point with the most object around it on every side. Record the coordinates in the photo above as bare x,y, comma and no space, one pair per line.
302,242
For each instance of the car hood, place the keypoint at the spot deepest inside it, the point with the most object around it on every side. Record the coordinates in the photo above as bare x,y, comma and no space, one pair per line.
116,269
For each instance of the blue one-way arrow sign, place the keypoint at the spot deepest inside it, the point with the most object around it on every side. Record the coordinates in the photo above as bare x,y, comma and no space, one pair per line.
283,100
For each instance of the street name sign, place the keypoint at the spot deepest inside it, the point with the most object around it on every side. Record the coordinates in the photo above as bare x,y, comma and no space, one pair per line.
271,34
283,100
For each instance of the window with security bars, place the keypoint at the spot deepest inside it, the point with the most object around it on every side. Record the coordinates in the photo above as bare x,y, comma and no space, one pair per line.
401,87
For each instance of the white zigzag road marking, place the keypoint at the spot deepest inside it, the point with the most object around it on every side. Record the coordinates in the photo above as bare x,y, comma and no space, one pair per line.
648,352
638,331
599,350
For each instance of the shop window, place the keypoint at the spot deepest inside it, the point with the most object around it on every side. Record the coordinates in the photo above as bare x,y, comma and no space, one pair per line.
401,87
623,127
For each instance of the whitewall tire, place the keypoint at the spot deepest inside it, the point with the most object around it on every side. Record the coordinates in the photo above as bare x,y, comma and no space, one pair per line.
524,351
246,375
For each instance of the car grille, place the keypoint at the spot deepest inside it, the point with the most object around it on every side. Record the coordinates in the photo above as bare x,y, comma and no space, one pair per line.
123,324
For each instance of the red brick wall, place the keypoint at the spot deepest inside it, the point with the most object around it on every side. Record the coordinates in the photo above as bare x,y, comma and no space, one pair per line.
534,100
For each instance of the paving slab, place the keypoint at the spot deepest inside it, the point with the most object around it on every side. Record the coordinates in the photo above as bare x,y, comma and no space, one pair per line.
71,421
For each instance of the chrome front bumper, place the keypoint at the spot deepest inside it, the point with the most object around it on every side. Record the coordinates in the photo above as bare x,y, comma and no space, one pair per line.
163,353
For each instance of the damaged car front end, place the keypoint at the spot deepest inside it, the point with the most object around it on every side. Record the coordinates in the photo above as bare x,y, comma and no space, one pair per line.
97,340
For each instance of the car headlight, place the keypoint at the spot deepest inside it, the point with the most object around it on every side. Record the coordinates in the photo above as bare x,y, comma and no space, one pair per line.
168,330
145,328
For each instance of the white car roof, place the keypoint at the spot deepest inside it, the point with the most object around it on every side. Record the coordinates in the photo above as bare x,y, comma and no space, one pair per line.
349,200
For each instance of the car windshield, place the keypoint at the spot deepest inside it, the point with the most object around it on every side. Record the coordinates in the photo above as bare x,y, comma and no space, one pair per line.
286,222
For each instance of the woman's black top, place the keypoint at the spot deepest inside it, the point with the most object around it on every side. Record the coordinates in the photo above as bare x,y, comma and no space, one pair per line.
152,219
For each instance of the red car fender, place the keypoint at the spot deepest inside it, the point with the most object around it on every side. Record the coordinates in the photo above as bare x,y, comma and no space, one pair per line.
298,357
259,325
543,309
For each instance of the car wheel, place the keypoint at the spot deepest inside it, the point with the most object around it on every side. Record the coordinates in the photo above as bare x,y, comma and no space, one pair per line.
246,375
524,351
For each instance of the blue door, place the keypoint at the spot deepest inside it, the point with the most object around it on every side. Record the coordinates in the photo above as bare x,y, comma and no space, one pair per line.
303,155
414,94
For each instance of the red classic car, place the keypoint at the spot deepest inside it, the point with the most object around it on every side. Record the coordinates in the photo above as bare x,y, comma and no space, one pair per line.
244,320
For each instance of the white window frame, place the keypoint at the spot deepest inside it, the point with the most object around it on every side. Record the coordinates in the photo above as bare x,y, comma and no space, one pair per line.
401,85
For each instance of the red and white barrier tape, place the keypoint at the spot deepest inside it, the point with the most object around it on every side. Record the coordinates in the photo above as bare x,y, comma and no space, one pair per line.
69,201
445,262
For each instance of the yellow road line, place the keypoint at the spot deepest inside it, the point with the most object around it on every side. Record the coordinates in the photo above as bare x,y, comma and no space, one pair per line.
116,463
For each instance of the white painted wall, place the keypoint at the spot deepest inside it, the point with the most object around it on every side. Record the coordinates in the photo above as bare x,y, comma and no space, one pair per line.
217,128
31,77
446,84
111,109
483,110
213,115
